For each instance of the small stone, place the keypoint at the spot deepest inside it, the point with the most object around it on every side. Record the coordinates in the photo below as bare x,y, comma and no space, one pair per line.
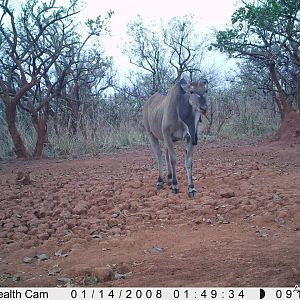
208,221
115,214
104,274
65,280
97,236
155,250
227,193
90,280
42,256
262,234
222,220
16,278
278,197
23,178
280,221
119,275
60,253
27,260
55,270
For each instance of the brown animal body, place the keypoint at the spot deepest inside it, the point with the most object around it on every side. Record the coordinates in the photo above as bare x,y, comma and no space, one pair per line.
173,117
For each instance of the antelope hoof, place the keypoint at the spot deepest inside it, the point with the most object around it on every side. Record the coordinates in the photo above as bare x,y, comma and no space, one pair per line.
159,187
175,189
192,192
159,184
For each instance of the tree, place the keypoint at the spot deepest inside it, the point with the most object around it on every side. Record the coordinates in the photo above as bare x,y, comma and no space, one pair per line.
145,51
40,47
24,61
181,40
159,50
267,34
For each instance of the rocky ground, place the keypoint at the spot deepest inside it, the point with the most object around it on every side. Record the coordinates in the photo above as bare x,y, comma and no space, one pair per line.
99,221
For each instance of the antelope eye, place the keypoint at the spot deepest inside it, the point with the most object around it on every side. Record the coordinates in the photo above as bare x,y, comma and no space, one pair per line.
206,91
192,92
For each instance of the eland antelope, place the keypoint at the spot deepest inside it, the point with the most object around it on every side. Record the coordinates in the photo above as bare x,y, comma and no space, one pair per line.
173,117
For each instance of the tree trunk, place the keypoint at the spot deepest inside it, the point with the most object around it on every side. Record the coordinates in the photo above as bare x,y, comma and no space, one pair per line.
290,121
40,126
298,93
20,149
280,97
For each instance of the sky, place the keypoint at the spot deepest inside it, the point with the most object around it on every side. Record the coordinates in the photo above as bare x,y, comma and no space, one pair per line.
208,14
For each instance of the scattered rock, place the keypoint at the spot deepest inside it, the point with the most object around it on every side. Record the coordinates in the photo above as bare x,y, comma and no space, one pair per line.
27,260
115,214
42,256
66,281
198,221
23,178
16,278
90,280
97,236
55,270
208,221
155,250
9,241
280,221
227,193
61,253
222,219
112,222
278,197
103,274
262,234
119,275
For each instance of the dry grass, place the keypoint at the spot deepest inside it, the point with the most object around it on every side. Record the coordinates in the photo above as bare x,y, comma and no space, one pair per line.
252,124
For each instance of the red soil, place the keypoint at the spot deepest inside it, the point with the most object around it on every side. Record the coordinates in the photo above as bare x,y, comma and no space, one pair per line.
242,228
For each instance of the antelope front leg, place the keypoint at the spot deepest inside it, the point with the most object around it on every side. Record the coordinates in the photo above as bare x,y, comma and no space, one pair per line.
188,165
172,160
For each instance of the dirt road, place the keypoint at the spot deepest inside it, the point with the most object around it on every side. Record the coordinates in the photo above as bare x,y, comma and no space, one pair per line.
99,221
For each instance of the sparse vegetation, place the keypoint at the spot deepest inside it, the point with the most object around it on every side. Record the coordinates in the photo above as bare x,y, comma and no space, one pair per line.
60,94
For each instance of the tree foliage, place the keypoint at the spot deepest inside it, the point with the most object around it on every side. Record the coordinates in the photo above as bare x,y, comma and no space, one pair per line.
166,52
267,33
44,60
